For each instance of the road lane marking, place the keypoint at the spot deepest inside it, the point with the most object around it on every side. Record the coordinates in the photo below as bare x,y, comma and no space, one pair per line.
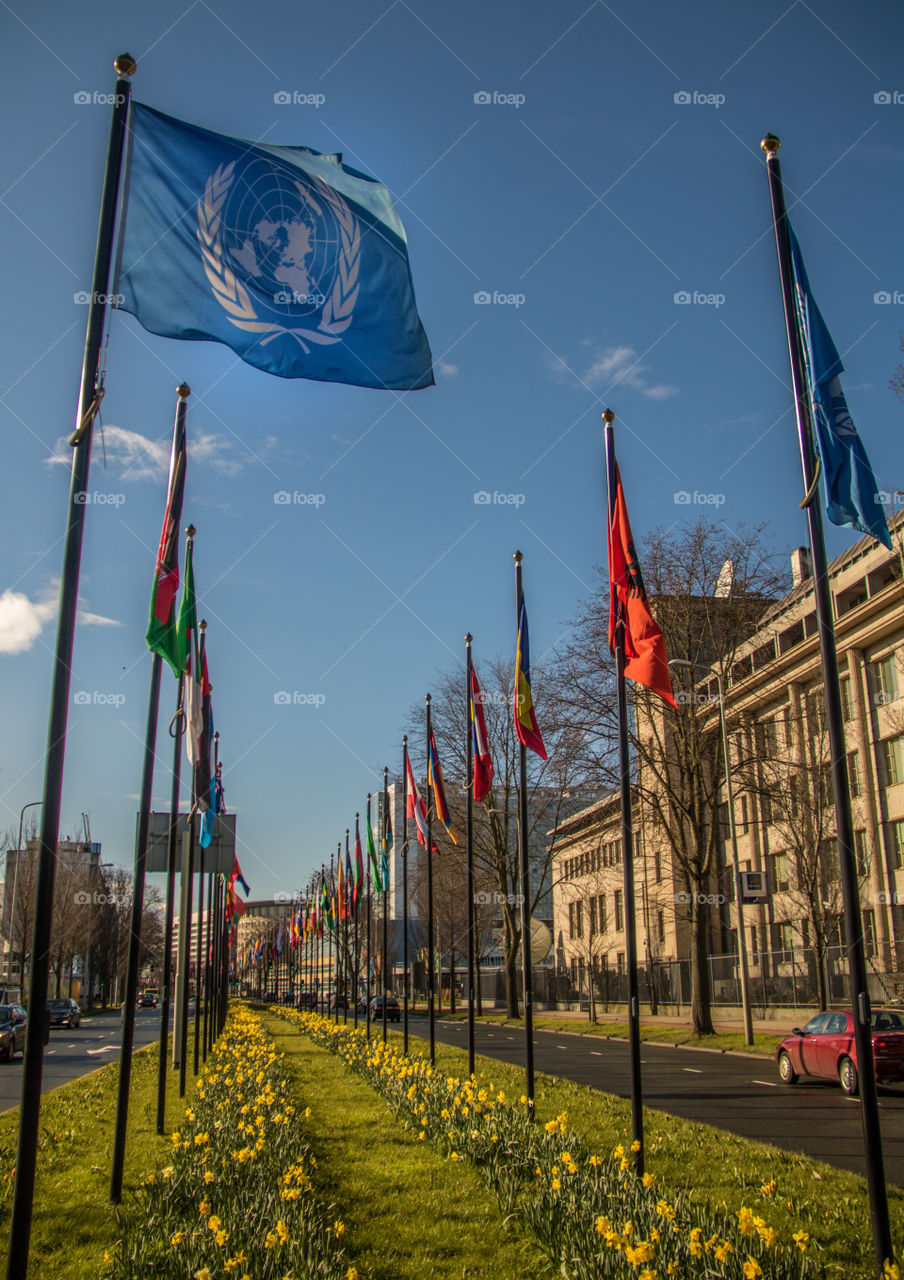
698,1071
105,1048
770,1084
595,1053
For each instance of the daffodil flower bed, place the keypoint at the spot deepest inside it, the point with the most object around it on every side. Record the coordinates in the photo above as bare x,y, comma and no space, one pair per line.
235,1200
592,1215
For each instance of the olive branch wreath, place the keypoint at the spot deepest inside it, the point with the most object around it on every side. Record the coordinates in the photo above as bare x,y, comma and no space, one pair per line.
232,295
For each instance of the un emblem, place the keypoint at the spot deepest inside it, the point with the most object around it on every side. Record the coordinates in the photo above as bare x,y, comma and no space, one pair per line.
299,243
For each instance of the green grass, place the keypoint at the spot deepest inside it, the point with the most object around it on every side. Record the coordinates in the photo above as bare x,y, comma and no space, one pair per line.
73,1221
409,1213
714,1165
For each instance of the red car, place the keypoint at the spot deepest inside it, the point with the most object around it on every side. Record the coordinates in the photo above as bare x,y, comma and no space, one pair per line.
825,1048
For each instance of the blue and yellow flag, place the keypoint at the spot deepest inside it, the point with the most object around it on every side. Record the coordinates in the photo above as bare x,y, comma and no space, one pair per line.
852,494
525,718
435,780
291,258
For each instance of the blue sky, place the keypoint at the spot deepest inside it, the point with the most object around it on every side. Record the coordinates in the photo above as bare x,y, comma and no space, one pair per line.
590,167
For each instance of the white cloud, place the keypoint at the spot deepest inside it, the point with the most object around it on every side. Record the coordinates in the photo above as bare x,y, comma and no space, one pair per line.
449,370
611,367
22,620
142,459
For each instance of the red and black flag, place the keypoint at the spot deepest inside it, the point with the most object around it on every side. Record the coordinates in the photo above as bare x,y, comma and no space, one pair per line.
480,747
645,660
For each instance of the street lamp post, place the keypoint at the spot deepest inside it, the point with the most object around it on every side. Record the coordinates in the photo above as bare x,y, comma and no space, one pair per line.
742,940
12,909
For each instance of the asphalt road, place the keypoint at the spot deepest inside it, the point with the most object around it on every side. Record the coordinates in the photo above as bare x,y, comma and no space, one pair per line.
729,1091
71,1054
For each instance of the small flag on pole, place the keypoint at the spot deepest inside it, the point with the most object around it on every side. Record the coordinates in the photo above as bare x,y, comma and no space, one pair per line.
435,779
163,635
295,261
645,659
385,840
525,717
416,807
359,864
480,748
188,631
852,494
375,868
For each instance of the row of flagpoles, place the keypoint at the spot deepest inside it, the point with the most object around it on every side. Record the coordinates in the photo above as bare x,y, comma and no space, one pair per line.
393,353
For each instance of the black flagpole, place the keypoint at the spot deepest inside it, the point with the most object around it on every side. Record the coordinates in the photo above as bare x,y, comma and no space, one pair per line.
176,729
346,958
134,953
527,970
431,1010
469,748
853,920
335,940
370,872
90,394
357,931
627,840
405,886
384,870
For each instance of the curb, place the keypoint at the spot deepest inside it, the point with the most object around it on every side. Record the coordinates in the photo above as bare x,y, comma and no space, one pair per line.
656,1044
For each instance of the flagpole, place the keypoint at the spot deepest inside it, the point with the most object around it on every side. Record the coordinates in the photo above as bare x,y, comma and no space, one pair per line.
346,957
370,872
527,969
384,870
405,888
357,932
469,749
431,977
627,839
90,394
858,988
178,721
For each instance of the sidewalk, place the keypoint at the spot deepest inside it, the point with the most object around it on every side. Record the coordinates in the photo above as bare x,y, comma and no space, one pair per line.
782,1024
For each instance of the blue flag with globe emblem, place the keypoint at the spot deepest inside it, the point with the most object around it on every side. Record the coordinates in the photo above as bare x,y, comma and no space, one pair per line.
291,258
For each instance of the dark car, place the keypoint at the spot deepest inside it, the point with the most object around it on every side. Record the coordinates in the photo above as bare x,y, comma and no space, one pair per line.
12,1030
64,1013
393,1009
147,999
338,1002
825,1049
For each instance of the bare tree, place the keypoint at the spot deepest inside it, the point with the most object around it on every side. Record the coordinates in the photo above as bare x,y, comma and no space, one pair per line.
708,588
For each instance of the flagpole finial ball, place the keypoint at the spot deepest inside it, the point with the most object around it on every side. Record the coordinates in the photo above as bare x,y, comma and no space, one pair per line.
468,638
427,698
608,417
517,557
202,625
191,531
404,739
125,65
183,391
770,144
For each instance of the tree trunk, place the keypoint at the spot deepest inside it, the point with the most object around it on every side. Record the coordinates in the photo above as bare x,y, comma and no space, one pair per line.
452,973
477,992
701,1011
512,1008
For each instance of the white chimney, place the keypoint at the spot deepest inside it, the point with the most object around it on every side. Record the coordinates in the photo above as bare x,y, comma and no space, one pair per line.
801,565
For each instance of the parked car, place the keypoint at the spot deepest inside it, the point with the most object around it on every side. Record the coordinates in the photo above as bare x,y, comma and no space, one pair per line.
64,1013
393,1009
338,1002
147,999
825,1049
12,1030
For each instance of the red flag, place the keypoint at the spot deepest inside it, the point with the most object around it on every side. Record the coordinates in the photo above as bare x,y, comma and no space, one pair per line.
645,660
416,807
480,747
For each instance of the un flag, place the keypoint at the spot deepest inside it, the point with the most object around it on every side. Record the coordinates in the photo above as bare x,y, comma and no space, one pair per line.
289,257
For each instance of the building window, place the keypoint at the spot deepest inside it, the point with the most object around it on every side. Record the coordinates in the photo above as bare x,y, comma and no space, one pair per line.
869,932
855,782
766,803
620,961
657,865
861,853
780,872
660,926
618,911
601,912
745,817
579,919
571,919
893,759
885,680
592,916
847,702
828,859
896,843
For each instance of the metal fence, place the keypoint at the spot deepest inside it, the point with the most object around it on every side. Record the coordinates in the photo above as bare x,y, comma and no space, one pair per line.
787,978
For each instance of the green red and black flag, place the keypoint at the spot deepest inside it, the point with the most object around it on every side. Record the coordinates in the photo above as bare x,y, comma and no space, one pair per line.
359,865
163,635
480,748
